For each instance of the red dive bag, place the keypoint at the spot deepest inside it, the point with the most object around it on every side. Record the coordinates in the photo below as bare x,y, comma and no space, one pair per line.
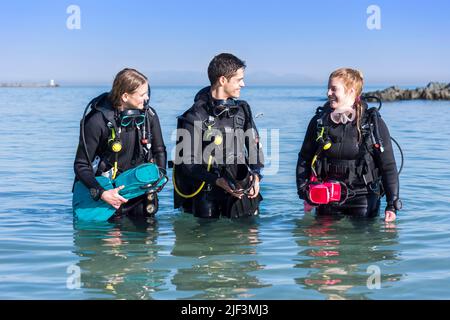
324,193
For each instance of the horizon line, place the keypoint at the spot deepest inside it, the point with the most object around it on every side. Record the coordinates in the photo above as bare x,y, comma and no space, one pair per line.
43,84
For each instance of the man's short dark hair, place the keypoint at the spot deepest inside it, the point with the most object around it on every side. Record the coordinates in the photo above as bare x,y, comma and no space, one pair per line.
224,64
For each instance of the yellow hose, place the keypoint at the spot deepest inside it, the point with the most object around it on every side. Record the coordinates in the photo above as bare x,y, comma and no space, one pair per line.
187,196
115,170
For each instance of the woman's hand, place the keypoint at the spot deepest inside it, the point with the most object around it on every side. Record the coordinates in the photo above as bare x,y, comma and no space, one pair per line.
307,207
255,190
113,197
389,216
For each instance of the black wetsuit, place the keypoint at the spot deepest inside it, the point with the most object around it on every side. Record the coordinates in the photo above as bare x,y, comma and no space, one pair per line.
212,200
340,162
97,133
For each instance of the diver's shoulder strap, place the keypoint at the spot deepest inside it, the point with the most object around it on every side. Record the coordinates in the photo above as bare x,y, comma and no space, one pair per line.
105,109
93,107
196,113
151,112
109,116
322,116
246,108
322,124
108,112
367,168
183,118
369,114
369,126
320,111
247,113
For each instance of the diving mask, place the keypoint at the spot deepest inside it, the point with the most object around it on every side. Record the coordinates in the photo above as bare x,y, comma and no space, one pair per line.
343,117
228,106
132,116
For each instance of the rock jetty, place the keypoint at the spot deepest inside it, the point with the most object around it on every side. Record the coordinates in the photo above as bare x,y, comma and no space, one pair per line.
433,91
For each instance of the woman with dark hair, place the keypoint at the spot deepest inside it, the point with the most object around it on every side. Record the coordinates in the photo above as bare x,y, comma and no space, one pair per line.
346,163
120,133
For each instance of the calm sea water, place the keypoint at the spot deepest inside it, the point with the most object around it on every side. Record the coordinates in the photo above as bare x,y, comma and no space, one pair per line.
282,254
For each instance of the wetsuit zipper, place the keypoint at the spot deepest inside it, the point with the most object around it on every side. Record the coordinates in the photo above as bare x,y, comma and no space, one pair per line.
339,155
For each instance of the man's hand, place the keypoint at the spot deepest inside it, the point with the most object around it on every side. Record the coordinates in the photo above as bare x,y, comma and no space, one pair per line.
113,197
222,183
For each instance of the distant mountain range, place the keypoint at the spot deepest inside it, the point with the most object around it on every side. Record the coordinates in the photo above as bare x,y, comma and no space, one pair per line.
254,78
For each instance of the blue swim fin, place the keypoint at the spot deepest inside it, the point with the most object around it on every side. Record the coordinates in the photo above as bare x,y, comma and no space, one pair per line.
87,209
137,181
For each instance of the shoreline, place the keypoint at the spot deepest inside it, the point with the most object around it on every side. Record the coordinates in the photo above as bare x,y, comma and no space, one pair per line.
52,84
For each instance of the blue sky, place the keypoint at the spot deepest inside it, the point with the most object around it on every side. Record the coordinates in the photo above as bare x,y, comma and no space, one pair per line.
172,41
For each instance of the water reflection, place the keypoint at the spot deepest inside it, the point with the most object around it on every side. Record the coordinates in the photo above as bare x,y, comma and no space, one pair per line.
338,251
221,257
116,259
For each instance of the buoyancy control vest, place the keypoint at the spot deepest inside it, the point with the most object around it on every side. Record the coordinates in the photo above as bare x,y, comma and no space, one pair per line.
359,171
223,141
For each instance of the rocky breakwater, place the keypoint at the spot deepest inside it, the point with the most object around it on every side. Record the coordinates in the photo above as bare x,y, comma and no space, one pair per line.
433,91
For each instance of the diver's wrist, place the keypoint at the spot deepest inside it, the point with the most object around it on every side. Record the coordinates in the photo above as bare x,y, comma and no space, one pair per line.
96,193
257,174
